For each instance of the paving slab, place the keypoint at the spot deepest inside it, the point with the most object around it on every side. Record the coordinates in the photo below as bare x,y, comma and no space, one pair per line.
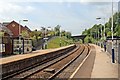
28,55
103,66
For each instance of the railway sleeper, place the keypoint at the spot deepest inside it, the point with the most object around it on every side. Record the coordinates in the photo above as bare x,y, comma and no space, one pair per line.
43,60
49,70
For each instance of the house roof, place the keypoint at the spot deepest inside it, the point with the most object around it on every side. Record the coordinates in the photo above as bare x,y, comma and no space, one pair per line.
5,23
27,28
10,30
5,29
22,27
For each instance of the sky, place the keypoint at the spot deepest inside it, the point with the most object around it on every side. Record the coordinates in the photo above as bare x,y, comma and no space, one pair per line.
74,16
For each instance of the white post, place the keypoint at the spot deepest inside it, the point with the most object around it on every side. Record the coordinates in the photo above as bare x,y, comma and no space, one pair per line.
45,38
101,31
60,36
45,45
112,25
104,29
19,36
113,61
98,36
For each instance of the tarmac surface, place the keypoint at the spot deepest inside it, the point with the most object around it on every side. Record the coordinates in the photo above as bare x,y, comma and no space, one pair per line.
103,66
102,69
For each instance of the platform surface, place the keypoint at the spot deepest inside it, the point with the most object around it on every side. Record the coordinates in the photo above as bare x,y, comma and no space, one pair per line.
28,55
103,66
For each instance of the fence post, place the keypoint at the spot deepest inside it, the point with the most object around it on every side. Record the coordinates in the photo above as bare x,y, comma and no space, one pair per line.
119,53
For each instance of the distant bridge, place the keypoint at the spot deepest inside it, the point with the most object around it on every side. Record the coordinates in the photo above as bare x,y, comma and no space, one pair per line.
82,37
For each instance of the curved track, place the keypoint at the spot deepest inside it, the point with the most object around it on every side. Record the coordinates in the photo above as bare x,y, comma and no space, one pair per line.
62,64
55,66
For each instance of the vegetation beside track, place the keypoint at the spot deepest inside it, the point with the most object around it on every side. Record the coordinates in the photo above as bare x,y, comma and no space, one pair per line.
98,30
55,43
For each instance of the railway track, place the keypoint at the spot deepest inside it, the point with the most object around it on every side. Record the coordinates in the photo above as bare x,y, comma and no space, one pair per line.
61,65
38,66
52,68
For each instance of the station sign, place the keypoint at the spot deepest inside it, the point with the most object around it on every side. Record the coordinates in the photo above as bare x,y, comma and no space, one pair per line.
45,38
2,47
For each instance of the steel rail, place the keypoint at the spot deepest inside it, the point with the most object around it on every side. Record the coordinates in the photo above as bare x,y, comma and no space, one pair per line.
38,65
78,53
51,63
65,66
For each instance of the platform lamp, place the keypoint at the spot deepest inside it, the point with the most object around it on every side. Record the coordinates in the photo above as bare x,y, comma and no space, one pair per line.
104,26
113,55
101,28
25,20
45,37
60,36
98,29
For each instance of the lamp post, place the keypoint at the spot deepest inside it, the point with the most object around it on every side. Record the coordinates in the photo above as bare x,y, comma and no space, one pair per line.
113,56
20,34
98,29
60,36
101,29
45,38
104,27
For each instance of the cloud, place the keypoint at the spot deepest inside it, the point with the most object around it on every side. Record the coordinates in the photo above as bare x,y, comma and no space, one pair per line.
60,1
69,15
9,10
99,0
106,10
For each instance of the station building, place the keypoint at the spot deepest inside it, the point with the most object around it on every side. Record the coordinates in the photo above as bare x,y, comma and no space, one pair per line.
5,40
10,40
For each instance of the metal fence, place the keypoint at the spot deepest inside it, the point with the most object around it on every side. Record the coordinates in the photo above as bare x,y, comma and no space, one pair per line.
116,47
119,53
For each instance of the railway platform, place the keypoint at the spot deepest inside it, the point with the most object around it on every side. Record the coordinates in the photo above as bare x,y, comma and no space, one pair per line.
13,58
102,69
20,62
91,62
103,66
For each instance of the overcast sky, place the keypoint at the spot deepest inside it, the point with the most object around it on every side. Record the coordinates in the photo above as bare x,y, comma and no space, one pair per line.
73,16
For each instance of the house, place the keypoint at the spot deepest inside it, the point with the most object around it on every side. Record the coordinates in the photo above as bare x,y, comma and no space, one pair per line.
16,27
19,44
5,40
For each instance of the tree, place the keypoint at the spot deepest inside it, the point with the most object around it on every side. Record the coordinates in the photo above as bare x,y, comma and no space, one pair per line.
1,33
89,39
52,33
57,30
43,31
117,30
36,34
93,32
68,35
63,33
25,34
84,32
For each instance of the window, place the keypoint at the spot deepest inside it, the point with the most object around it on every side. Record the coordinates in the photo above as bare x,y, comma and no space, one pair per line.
13,25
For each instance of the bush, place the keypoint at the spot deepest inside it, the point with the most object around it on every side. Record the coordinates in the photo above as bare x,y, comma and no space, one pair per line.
89,39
